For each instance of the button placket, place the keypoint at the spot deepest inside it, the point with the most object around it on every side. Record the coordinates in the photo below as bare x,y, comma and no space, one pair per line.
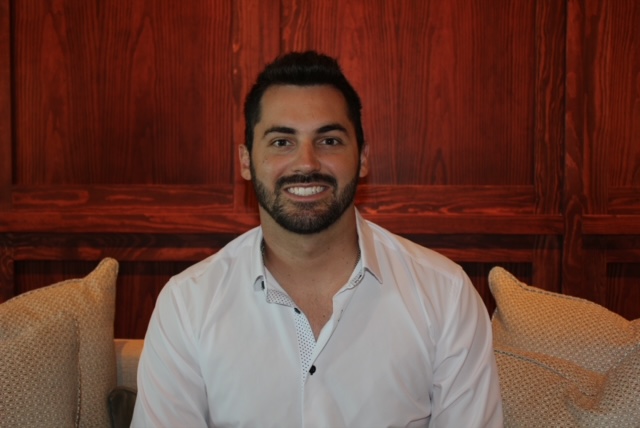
306,341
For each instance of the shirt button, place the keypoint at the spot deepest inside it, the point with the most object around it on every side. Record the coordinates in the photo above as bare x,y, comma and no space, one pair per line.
312,370
297,310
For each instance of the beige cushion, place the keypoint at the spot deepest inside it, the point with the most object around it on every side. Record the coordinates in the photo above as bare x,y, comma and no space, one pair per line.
90,303
127,356
563,361
39,373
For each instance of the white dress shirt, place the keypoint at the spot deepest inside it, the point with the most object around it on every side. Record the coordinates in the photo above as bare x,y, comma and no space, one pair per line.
408,345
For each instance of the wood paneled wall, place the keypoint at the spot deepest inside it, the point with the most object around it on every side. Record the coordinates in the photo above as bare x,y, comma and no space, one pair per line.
503,132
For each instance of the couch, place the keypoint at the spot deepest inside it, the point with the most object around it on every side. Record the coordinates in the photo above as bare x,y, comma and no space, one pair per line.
122,398
562,361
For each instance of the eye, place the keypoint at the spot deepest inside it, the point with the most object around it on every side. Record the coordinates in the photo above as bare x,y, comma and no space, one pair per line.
330,141
280,143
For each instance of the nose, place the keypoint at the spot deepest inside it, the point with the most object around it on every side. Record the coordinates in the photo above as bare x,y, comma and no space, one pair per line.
306,158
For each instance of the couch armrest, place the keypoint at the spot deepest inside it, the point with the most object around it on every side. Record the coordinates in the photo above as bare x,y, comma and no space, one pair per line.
127,357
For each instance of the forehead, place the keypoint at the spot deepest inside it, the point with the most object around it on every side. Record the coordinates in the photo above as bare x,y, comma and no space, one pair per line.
302,103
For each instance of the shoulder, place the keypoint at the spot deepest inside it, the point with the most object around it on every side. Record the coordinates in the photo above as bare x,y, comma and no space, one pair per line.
230,265
427,265
432,287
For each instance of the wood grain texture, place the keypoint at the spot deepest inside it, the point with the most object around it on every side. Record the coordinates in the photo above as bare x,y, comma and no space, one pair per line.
502,133
6,166
187,222
138,287
255,43
623,292
624,200
134,93
612,106
123,247
372,199
601,137
549,104
443,84
479,272
7,277
575,203
123,198
439,199
550,51
611,224
615,85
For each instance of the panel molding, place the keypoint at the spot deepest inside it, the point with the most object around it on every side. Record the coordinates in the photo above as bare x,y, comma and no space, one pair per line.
6,114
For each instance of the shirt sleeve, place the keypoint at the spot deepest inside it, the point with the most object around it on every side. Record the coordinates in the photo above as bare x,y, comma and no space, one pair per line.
466,390
171,390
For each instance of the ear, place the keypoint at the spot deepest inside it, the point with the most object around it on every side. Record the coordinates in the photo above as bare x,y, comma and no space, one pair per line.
245,162
364,160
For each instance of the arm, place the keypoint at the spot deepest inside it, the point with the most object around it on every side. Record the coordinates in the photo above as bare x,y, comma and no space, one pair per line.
171,391
466,391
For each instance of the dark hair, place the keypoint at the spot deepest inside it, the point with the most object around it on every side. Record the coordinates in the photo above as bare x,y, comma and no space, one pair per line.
301,69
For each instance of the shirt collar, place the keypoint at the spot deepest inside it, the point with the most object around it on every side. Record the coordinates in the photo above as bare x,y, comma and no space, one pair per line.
367,247
257,264
365,241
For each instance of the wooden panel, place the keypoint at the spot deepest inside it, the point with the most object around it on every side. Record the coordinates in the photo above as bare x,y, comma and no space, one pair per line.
623,289
624,200
603,66
443,83
180,209
611,224
122,247
133,93
469,248
370,198
619,248
575,256
155,221
122,198
6,167
186,222
256,42
502,132
138,287
614,84
7,278
419,199
478,273
549,105
33,275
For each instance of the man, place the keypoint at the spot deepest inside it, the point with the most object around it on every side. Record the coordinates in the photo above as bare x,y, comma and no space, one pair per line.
317,318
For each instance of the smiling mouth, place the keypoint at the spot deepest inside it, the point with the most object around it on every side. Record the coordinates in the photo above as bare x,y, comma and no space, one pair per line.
306,191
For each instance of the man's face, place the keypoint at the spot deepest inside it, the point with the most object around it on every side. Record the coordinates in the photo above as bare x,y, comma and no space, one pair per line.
305,162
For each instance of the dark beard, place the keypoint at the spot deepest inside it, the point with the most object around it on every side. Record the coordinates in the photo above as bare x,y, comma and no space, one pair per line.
305,218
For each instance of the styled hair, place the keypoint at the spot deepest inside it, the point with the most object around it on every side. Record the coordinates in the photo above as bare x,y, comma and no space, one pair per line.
301,69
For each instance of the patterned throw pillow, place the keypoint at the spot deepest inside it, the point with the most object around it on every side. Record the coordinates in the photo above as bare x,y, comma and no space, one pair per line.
60,333
39,373
563,361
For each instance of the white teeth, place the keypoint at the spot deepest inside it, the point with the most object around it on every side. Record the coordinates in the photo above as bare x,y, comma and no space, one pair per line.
305,191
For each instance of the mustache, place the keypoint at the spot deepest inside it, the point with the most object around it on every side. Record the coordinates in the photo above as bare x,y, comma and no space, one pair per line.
315,177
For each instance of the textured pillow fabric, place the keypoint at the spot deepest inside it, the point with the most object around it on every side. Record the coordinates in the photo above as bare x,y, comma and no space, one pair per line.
563,361
565,327
90,301
39,373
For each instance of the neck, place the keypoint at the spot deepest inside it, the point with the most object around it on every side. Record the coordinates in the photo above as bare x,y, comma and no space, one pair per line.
321,261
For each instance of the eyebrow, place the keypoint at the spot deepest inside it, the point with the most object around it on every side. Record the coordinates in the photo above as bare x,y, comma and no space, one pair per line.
290,131
331,127
280,130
